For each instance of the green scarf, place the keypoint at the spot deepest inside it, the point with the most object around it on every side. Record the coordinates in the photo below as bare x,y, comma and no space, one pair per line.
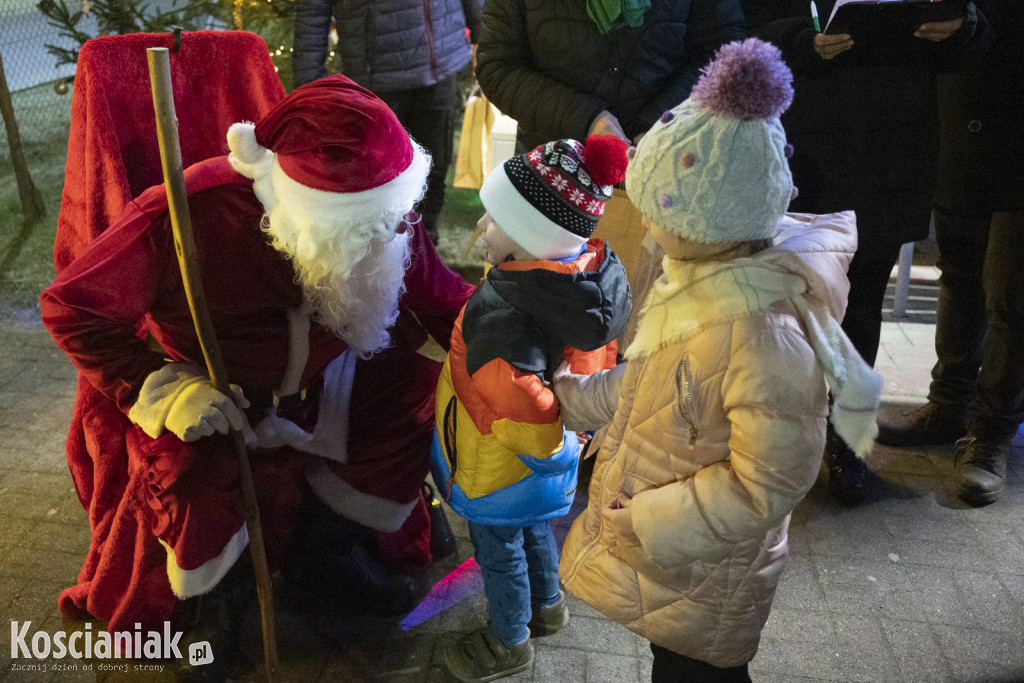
611,15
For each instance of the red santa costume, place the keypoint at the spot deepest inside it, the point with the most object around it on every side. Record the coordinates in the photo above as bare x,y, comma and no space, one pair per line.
338,404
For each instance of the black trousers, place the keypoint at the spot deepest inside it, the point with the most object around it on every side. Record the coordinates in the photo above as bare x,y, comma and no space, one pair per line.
428,114
979,332
672,667
869,275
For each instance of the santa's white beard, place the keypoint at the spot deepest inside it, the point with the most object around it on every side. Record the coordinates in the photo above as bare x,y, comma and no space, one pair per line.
352,275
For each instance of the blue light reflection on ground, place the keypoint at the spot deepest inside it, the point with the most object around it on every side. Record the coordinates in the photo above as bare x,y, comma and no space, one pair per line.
459,584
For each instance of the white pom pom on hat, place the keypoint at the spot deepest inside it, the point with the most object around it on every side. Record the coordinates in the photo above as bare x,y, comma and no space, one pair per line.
242,143
248,156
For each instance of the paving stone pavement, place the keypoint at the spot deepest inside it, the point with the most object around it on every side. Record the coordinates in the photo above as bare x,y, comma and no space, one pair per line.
910,586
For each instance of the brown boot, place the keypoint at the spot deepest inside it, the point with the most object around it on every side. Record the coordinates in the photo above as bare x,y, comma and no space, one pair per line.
980,469
932,424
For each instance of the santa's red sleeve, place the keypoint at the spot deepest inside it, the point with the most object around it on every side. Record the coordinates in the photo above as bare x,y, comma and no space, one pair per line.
95,307
433,291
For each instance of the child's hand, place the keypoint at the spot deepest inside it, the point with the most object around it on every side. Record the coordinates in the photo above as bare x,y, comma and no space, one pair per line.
619,519
583,438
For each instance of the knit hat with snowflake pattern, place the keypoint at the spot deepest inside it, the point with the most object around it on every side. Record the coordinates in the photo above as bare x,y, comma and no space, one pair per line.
549,200
715,169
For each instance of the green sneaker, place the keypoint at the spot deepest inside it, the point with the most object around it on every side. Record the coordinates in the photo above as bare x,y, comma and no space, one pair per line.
551,619
479,657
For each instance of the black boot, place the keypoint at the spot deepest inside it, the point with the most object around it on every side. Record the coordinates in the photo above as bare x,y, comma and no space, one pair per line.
330,566
980,469
847,474
215,618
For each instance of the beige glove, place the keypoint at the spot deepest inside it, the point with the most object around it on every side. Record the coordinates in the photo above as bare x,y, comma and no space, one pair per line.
200,410
180,399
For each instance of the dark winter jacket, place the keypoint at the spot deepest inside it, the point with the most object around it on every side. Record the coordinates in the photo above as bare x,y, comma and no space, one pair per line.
543,63
528,317
864,125
499,439
385,45
981,162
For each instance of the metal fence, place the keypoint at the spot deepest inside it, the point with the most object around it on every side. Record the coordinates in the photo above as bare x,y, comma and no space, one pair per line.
36,83
42,114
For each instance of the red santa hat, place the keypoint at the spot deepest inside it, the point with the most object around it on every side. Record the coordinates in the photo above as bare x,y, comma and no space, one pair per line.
332,146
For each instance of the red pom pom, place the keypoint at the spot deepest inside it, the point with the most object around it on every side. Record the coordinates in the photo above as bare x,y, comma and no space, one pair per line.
605,159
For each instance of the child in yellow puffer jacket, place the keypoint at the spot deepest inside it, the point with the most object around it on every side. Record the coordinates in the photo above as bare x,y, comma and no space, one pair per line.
718,420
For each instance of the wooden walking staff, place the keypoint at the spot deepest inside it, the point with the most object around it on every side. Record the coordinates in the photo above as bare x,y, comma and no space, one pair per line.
188,259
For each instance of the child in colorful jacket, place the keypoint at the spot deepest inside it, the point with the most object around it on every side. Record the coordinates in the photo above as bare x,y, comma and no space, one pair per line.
718,420
500,448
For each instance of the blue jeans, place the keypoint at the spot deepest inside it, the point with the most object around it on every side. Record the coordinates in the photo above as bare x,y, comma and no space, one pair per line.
519,566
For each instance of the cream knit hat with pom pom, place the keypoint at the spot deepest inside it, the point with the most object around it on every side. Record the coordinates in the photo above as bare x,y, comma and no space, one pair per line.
714,169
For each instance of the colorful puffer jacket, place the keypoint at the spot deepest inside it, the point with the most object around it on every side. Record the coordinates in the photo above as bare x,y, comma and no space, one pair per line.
499,441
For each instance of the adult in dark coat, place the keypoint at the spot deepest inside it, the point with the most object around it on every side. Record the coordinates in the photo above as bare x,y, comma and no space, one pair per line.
407,52
864,127
979,226
546,64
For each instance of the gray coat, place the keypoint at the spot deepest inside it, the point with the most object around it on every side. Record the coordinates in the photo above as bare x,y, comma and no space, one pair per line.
385,45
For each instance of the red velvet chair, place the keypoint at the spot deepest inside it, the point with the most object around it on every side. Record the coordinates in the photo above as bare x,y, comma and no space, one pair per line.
219,78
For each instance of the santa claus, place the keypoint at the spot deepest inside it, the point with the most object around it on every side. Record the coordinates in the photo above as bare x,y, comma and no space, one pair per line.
322,290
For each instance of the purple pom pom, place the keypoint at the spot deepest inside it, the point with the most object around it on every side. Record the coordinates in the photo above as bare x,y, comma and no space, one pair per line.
746,80
667,116
788,151
665,200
